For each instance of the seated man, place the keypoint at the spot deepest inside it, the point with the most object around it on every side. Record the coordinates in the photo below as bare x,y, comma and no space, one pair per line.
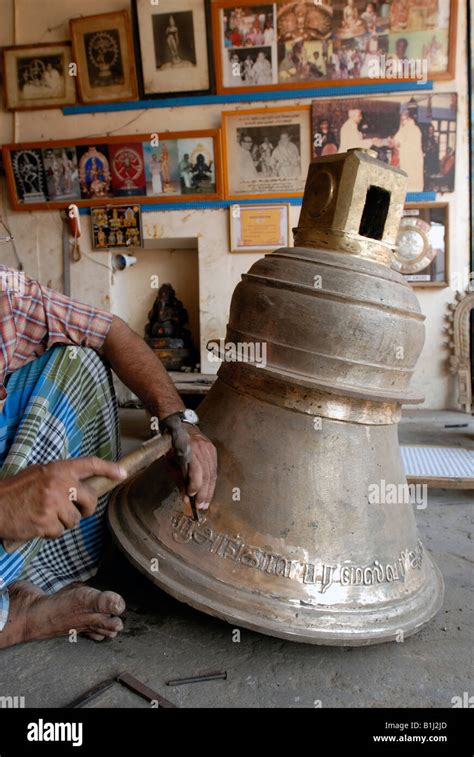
58,427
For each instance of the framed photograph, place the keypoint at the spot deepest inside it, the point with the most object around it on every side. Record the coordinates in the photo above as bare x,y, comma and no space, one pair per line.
94,171
28,176
416,133
259,228
180,167
103,50
127,167
116,227
62,173
267,151
422,253
37,76
287,44
173,41
175,166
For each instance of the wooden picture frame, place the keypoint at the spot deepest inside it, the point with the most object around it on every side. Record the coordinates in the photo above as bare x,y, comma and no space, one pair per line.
427,262
37,77
416,132
193,72
104,52
271,174
250,225
317,45
187,167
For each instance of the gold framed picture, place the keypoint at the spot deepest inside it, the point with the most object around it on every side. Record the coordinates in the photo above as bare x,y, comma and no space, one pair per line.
422,253
103,50
38,76
116,227
267,151
262,46
259,228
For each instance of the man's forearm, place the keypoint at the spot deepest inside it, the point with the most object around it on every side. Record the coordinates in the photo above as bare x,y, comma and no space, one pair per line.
139,368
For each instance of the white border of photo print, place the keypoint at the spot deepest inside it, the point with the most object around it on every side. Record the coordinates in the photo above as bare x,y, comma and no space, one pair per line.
235,73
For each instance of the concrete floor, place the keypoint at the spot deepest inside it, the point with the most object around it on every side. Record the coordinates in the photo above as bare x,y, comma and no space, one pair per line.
165,639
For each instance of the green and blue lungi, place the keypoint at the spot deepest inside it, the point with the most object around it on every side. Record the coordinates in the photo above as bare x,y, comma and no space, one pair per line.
61,405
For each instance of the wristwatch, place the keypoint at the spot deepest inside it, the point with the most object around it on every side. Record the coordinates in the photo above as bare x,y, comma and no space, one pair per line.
174,420
189,416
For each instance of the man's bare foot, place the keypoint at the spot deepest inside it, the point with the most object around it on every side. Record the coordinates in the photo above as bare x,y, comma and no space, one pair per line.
36,615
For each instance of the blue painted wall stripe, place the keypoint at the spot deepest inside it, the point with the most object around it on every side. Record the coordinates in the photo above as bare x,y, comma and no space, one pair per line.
288,94
219,204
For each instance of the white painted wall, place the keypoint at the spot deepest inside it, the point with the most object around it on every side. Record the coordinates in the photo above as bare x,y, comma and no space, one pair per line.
38,234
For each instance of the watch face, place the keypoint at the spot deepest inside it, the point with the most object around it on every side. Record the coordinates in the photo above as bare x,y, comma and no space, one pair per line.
414,251
189,416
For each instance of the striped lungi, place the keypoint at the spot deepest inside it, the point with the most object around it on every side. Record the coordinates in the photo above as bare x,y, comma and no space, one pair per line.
61,405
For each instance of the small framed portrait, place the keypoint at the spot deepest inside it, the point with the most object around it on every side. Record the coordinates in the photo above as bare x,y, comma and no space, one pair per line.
127,168
245,45
62,173
28,173
103,51
259,228
38,76
311,43
422,253
186,165
267,152
94,171
416,133
173,42
118,226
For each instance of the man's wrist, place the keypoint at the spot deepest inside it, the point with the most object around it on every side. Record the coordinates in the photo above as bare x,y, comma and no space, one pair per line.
174,421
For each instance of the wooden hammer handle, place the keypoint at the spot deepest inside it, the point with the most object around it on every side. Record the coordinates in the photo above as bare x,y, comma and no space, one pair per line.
132,463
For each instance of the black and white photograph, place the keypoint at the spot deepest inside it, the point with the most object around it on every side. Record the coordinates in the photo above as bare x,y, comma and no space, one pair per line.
38,76
272,151
174,40
250,67
266,151
416,133
62,173
105,56
173,46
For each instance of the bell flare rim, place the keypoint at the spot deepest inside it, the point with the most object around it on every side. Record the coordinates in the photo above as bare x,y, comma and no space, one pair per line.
351,627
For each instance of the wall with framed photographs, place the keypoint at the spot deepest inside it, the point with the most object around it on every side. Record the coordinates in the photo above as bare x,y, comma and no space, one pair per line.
39,234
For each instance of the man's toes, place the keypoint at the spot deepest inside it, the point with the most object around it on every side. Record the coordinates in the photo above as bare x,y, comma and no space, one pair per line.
104,624
110,602
94,636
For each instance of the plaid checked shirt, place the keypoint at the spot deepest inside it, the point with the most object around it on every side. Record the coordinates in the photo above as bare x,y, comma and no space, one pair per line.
33,318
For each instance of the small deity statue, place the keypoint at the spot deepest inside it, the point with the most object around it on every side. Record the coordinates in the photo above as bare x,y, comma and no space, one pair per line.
165,331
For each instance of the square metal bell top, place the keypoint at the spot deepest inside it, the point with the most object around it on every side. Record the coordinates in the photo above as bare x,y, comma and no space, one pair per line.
352,203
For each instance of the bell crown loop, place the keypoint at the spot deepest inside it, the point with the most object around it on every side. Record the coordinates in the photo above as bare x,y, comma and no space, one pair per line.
352,204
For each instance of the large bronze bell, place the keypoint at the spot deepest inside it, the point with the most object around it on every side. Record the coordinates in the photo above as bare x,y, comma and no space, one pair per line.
295,544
